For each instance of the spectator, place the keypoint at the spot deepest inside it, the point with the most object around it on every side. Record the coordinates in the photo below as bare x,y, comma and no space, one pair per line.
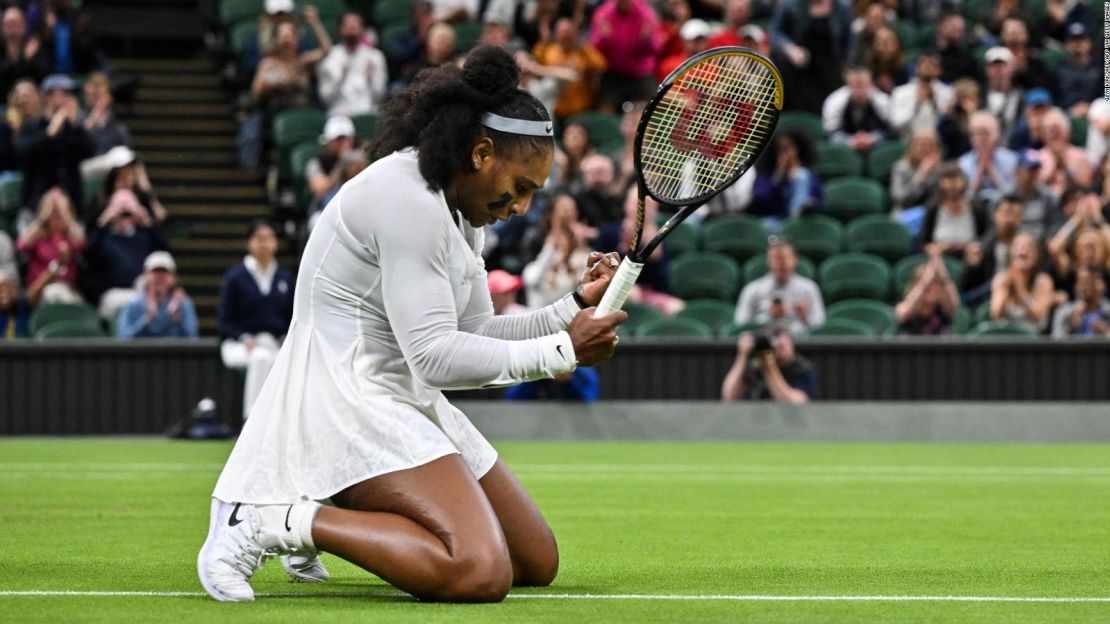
1022,293
533,21
913,181
452,11
695,38
439,48
989,168
24,58
1039,211
124,235
873,16
956,58
738,14
24,104
15,312
1060,15
256,307
1004,96
576,146
951,223
811,40
567,51
283,76
767,368
1083,240
920,102
855,115
126,171
1079,78
52,147
406,47
931,301
755,38
545,82
674,14
51,245
100,122
1028,132
991,17
1089,313
353,76
350,165
1029,71
651,287
503,289
887,60
991,253
953,126
163,310
599,201
624,31
785,186
555,270
781,296
1098,131
67,38
1061,162
323,172
7,254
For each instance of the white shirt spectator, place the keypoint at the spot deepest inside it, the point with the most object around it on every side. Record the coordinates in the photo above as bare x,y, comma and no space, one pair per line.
449,9
908,114
1098,118
832,111
758,297
352,82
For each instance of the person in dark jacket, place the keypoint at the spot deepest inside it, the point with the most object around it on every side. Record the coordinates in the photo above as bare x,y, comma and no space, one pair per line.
50,149
256,307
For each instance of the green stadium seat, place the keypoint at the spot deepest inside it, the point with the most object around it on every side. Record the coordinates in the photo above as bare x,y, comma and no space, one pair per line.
297,125
638,314
365,125
810,123
876,314
732,330
716,314
50,313
232,11
705,275
879,235
467,35
391,33
1003,328
854,275
1051,57
837,161
10,192
961,325
1079,131
904,268
757,267
739,236
68,329
604,130
843,327
682,239
390,12
674,328
298,161
817,237
852,197
881,160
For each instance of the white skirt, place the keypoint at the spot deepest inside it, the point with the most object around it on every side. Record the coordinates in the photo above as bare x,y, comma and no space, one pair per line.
319,427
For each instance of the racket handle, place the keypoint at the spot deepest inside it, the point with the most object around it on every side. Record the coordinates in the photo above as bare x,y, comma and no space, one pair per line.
619,288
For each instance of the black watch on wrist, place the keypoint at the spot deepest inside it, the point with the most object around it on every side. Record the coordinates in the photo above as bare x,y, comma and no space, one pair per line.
577,294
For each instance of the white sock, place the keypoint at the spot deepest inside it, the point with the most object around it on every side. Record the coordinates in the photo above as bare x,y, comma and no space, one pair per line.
290,524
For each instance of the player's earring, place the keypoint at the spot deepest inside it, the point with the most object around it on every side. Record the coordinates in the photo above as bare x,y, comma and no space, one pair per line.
477,165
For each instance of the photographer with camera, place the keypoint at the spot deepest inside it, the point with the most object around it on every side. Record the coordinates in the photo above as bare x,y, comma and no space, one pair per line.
767,368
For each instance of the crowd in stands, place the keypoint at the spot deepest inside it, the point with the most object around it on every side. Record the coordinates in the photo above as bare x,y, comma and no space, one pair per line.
940,167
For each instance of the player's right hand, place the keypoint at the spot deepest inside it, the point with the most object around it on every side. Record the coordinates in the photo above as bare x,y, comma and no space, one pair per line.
594,339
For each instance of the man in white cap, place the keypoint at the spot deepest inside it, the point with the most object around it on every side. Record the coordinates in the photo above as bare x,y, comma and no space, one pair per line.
324,172
695,38
163,310
353,76
1003,96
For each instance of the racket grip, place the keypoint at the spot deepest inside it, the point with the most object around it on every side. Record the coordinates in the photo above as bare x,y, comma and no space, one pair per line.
619,288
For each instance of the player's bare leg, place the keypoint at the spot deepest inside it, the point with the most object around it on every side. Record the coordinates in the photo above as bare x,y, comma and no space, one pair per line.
429,531
532,547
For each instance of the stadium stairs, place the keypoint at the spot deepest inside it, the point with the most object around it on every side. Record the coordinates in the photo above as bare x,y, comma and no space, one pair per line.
182,125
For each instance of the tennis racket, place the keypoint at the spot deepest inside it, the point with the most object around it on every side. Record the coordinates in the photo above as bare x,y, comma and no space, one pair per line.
706,125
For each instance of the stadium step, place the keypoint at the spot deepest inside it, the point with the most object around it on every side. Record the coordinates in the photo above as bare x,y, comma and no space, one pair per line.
173,94
182,126
158,158
209,212
145,65
204,192
143,141
163,175
181,80
189,110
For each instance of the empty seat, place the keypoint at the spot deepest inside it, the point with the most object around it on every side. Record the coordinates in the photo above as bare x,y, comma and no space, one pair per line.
705,275
674,328
879,235
715,314
738,236
837,161
852,197
816,237
50,313
842,327
854,276
876,314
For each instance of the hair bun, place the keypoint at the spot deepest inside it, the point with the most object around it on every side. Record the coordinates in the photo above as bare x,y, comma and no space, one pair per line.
491,70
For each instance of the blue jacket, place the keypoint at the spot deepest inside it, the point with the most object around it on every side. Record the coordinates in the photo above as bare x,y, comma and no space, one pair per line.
245,310
132,325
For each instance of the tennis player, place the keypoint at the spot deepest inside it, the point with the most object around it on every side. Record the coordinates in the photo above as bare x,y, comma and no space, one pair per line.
391,308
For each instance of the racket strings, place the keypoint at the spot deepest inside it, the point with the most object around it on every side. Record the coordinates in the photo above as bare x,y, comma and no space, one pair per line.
712,120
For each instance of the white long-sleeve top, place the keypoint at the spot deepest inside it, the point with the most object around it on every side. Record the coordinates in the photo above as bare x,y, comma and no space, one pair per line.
352,83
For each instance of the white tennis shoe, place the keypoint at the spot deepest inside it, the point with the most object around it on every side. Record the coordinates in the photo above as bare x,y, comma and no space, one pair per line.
305,566
232,552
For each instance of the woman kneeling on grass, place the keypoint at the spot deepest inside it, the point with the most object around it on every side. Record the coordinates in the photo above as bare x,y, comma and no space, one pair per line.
392,307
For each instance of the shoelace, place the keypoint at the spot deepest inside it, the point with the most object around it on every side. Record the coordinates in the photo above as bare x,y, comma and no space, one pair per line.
247,557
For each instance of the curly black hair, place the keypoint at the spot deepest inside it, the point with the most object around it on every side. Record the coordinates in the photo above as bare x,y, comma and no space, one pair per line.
439,114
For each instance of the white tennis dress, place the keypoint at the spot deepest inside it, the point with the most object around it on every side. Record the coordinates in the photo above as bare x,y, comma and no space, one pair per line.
391,307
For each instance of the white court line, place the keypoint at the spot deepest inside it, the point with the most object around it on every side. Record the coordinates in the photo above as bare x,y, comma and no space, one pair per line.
673,597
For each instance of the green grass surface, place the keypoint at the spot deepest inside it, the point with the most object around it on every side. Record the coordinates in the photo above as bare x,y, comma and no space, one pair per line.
658,519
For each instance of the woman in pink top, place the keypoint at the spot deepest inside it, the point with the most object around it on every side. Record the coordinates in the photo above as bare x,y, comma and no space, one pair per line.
627,34
51,244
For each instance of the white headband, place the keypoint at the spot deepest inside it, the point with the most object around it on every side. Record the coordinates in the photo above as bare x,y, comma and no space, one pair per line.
517,126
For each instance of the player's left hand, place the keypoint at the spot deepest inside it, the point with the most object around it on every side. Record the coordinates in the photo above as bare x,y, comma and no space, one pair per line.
599,272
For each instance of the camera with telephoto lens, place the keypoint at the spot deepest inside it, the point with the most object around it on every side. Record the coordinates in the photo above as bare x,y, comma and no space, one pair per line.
763,341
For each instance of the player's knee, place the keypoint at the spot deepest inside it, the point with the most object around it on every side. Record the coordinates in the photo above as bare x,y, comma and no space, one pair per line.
483,577
539,567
